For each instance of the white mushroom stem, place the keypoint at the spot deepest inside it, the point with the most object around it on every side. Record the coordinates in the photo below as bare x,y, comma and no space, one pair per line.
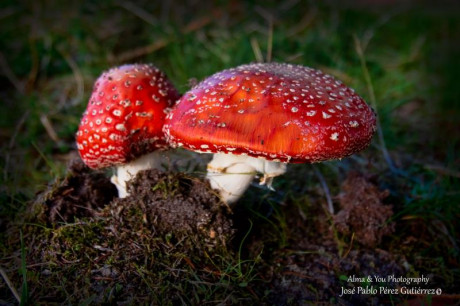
231,174
126,172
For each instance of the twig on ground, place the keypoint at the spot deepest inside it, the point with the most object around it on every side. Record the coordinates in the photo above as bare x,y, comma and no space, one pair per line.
163,42
304,23
349,247
77,75
12,143
5,68
10,285
141,51
49,128
138,11
443,170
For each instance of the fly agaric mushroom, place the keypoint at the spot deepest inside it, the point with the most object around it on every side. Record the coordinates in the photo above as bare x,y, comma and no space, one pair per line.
122,125
258,117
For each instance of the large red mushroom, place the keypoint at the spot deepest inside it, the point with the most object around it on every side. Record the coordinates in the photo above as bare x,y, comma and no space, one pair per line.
258,117
122,125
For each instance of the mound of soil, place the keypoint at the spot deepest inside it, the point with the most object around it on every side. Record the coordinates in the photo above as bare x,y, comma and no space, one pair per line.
362,211
174,204
81,194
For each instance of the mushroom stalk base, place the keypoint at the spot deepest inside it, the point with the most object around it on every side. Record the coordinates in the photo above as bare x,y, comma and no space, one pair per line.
126,172
231,174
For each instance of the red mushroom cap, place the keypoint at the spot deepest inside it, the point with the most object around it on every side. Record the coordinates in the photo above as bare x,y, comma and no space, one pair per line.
281,112
125,115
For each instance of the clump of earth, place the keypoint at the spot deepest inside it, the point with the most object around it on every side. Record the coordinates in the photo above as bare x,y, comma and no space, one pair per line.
167,203
363,211
175,204
82,193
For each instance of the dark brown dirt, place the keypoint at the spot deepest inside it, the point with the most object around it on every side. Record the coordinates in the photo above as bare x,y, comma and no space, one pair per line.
314,264
318,273
81,194
175,204
362,211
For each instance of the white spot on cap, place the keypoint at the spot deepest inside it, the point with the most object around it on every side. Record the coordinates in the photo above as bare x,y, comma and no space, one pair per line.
204,146
120,127
335,136
125,103
354,123
326,115
117,112
294,109
311,113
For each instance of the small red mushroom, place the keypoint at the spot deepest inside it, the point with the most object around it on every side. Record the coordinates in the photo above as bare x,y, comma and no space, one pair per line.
122,125
258,117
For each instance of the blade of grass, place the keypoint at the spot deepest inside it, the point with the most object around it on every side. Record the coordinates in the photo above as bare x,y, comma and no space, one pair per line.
24,288
51,165
370,89
256,49
241,246
270,40
327,193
